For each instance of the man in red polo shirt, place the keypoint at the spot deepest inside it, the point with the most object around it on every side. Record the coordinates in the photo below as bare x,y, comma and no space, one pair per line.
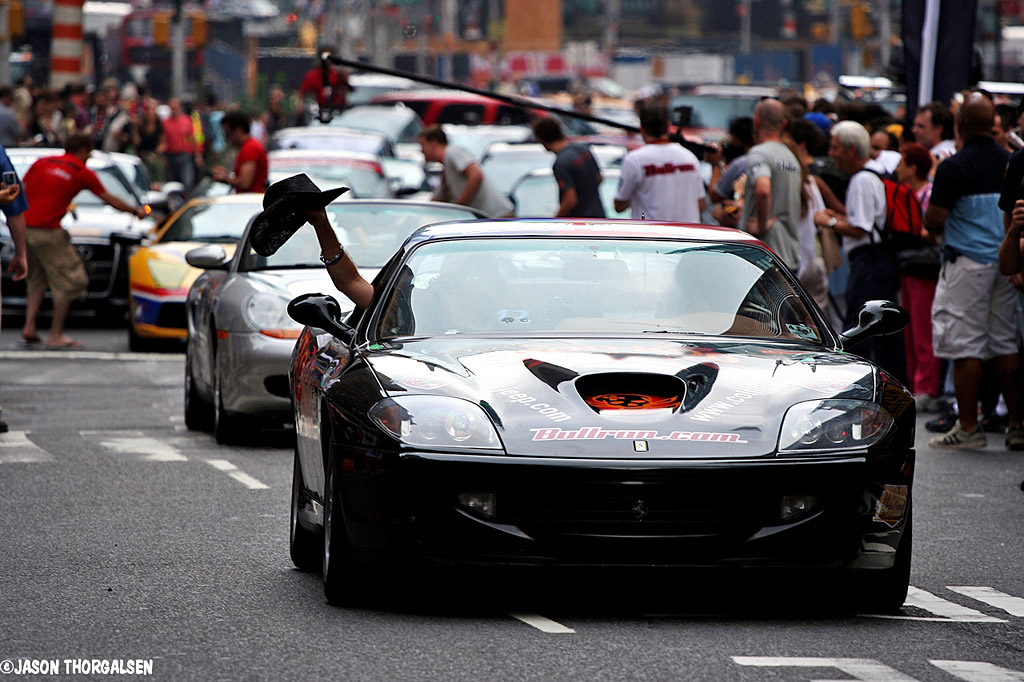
50,185
251,165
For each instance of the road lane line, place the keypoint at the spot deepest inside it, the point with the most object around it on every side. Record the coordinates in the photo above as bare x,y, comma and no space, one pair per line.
16,448
946,611
543,624
148,448
240,476
90,355
978,671
860,668
1012,605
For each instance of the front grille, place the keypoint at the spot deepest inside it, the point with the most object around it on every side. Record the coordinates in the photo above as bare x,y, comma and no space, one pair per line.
99,259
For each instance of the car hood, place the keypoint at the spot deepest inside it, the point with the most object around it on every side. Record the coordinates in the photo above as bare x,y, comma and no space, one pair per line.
626,398
291,283
100,223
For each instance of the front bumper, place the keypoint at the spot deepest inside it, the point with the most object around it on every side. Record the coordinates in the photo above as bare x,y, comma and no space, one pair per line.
602,513
255,375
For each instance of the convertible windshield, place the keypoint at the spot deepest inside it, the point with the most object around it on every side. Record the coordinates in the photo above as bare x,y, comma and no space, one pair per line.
371,233
212,222
543,285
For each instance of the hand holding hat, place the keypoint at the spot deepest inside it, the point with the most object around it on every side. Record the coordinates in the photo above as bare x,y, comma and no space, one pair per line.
284,211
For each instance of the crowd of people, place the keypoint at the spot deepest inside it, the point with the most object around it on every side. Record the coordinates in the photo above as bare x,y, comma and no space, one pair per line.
813,181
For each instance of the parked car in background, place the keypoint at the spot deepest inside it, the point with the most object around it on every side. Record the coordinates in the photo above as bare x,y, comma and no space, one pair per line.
366,86
455,106
332,138
158,276
477,139
94,228
400,124
363,174
239,335
536,194
504,163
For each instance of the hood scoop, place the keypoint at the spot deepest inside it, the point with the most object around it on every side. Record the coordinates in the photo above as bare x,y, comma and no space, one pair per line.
622,393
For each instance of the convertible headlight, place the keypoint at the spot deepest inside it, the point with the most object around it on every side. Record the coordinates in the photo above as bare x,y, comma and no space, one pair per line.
834,425
268,314
436,422
166,274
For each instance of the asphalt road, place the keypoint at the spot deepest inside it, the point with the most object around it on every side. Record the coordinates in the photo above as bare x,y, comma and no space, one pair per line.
124,536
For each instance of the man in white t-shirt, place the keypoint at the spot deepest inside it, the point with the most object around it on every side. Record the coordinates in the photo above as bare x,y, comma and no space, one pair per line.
661,180
874,274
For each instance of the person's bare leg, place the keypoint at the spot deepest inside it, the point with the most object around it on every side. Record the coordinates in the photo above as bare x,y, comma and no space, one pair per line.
61,308
966,383
32,306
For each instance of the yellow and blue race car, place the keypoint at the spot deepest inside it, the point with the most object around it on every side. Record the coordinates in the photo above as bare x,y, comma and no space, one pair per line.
159,278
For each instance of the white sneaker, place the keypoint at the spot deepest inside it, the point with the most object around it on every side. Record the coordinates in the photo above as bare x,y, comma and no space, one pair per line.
958,439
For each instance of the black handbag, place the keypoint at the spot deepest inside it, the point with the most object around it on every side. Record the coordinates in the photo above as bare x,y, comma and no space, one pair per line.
923,261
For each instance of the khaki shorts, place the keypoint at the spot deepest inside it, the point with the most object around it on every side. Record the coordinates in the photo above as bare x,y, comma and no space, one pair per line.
974,314
54,264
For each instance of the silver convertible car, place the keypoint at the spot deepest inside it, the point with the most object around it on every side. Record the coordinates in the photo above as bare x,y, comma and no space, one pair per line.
240,337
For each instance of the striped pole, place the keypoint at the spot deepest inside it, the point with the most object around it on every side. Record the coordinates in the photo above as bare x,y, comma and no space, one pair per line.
66,50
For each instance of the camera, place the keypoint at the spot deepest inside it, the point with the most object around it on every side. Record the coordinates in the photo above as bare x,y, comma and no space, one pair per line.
10,178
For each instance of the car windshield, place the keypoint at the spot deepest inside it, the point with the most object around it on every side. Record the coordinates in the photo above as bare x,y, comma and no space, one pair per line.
536,196
113,183
212,222
350,142
395,125
478,138
706,111
364,178
370,233
505,168
590,285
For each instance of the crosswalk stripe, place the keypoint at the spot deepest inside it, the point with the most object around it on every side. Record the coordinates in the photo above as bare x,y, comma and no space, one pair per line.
1012,605
543,624
978,671
945,611
150,449
15,447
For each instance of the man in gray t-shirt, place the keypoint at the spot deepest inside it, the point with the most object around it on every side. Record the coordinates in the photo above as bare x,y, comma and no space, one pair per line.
463,182
772,207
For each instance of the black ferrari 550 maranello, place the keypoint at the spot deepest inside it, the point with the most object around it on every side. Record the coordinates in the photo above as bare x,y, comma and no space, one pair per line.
616,393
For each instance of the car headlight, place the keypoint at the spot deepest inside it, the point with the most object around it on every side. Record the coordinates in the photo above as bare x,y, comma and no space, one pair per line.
834,425
268,314
436,422
166,274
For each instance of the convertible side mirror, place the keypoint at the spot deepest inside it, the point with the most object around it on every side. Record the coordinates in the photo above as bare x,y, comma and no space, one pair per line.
323,312
876,318
209,257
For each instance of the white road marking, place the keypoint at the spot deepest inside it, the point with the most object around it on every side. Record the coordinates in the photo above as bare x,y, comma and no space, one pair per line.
15,447
945,610
864,669
543,624
240,476
134,443
978,671
90,355
1012,605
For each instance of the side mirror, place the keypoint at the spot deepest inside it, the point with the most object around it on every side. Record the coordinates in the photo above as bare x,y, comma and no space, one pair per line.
209,257
876,318
321,311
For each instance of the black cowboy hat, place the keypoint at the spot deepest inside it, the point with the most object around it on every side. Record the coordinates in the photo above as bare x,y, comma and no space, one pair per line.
284,211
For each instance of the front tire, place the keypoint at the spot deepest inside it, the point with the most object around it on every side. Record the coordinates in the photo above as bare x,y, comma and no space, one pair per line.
338,563
303,544
198,411
884,591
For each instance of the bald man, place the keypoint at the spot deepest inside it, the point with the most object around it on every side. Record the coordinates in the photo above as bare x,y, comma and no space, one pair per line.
974,316
771,209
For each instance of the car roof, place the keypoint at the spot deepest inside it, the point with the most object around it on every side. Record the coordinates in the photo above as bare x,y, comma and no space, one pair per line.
97,160
339,155
389,109
433,94
327,131
581,227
